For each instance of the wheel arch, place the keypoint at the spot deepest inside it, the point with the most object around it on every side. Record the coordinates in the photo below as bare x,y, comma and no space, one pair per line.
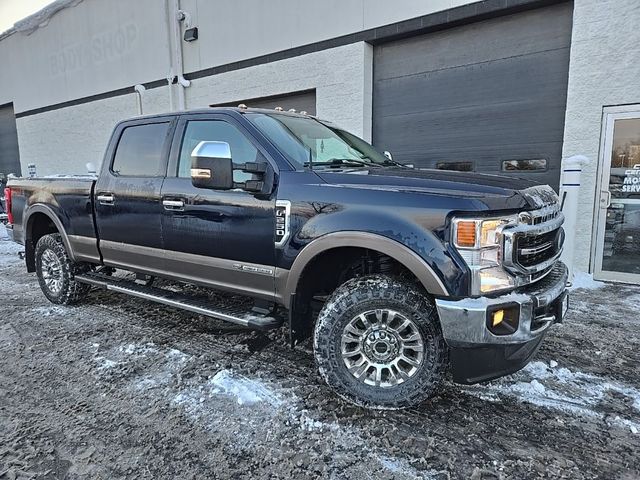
40,220
371,241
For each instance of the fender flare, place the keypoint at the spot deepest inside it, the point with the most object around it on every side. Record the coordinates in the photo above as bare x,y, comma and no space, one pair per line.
396,250
49,212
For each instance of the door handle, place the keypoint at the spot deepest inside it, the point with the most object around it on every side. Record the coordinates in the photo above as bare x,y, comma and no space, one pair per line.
173,204
106,199
605,199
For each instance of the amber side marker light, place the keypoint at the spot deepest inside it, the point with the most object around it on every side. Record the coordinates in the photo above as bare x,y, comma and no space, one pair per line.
466,234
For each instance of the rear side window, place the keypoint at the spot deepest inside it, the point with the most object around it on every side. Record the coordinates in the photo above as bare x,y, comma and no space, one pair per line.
139,151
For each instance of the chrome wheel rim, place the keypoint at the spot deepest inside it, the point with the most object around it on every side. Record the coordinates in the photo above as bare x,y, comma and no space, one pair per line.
382,348
51,270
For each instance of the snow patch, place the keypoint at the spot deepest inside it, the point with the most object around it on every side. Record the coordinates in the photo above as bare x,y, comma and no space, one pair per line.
50,311
561,389
245,390
585,281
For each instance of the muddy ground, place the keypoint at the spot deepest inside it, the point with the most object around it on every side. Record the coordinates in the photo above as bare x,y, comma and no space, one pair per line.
121,388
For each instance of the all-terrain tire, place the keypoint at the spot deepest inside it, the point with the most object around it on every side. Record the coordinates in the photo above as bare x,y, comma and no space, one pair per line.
52,261
374,293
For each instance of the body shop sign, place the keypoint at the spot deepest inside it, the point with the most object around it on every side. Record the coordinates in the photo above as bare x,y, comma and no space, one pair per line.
102,48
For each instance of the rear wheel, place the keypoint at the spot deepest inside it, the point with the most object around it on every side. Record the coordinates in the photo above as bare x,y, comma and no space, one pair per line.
56,272
378,343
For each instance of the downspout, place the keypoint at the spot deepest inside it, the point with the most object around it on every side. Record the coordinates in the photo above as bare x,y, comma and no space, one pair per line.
174,16
139,90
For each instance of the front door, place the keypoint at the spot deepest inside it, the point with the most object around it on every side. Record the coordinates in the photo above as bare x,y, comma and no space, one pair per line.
617,255
221,239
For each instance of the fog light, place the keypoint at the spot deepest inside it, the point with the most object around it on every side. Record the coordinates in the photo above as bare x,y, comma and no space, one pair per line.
503,319
498,316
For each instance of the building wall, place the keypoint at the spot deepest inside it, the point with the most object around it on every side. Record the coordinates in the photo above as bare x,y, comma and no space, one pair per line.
604,70
98,46
93,47
341,77
64,140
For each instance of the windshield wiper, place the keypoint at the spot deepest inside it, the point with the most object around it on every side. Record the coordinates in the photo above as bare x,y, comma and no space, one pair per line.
339,162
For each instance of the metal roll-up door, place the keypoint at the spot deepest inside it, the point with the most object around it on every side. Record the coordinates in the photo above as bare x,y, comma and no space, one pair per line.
9,154
487,97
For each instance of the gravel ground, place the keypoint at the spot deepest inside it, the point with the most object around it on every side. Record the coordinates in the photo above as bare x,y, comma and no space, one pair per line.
121,388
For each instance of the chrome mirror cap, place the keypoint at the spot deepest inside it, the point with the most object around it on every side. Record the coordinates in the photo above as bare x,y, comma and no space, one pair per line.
212,150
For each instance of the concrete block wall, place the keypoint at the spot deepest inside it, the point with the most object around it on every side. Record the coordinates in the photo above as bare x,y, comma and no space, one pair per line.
604,71
63,141
341,76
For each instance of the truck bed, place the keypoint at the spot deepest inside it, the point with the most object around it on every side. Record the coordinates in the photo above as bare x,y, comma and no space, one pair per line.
68,197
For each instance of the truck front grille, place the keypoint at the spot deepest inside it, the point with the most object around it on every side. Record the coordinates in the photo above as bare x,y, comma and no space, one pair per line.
534,249
534,244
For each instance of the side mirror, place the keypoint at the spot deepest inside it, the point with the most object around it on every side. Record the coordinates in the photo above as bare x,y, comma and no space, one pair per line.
211,166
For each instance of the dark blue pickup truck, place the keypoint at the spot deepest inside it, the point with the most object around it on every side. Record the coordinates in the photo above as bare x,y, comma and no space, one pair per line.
398,274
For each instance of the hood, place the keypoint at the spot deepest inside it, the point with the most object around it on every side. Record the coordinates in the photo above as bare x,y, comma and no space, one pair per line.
496,191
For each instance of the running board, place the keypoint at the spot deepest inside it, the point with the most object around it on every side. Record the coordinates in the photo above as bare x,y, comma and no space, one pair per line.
238,315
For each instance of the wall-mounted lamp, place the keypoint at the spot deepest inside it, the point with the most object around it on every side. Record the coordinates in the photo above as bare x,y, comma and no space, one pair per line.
191,34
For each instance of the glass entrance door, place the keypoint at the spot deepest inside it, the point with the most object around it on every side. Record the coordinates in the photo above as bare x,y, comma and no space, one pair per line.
618,243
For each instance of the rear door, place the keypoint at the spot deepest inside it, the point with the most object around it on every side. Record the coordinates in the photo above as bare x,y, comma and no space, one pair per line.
127,195
218,238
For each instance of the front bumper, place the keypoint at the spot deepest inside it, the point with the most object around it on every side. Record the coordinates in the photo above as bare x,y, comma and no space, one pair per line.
476,354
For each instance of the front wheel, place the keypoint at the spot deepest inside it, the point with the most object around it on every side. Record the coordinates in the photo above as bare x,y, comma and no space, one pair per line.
378,343
56,272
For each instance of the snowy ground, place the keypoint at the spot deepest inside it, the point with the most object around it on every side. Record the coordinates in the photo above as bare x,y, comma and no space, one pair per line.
120,388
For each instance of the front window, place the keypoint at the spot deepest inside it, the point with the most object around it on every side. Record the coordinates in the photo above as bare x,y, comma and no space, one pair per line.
309,142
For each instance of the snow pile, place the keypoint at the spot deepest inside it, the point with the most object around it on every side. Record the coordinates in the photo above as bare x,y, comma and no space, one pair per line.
8,250
585,281
561,389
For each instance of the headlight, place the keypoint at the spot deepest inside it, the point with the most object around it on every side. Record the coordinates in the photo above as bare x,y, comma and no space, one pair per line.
479,242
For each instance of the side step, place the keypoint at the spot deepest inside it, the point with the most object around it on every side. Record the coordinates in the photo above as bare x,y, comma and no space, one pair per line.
237,315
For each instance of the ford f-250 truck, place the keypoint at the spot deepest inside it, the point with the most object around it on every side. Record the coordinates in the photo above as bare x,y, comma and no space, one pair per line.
399,274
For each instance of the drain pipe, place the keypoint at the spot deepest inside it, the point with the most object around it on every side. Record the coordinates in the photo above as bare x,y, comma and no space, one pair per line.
139,90
569,191
174,17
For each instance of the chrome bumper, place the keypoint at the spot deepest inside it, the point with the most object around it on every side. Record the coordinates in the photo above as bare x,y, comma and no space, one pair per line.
464,322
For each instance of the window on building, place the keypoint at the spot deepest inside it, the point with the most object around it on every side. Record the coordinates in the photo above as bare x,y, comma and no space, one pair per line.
455,166
139,151
242,150
538,164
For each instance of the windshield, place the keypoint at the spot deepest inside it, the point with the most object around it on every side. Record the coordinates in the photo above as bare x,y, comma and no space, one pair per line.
309,142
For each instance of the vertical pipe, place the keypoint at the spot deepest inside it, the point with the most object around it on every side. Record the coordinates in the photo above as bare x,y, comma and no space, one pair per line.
569,191
139,90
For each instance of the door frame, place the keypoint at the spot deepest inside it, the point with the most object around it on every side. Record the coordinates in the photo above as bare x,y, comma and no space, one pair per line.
603,196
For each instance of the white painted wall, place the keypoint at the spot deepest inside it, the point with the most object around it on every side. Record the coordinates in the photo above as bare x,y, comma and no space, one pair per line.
64,140
604,70
341,77
93,47
103,45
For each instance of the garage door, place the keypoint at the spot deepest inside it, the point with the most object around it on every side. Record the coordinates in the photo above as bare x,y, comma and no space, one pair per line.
9,156
487,97
300,101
